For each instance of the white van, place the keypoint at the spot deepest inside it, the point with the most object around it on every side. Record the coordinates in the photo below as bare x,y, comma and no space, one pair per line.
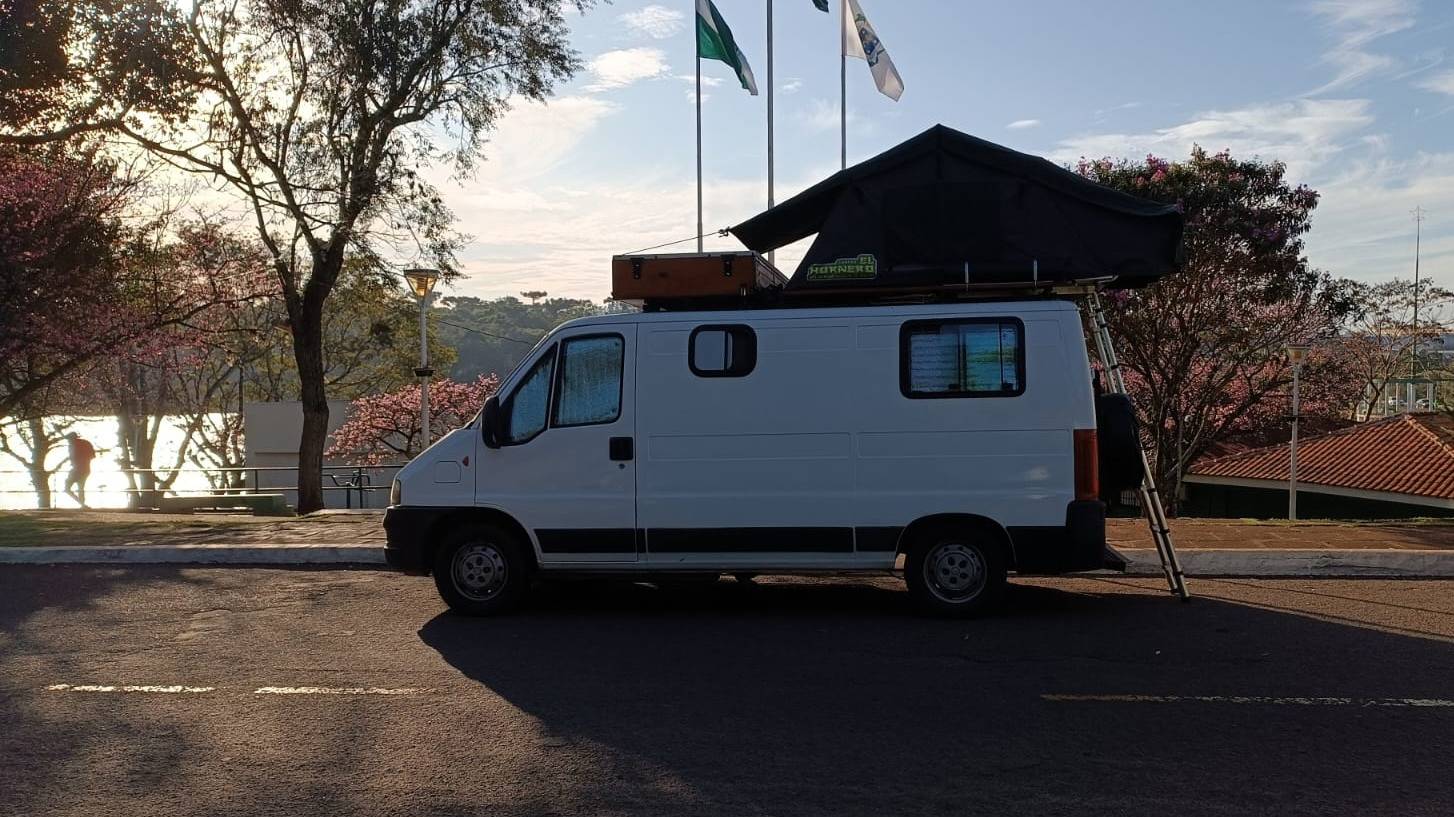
961,436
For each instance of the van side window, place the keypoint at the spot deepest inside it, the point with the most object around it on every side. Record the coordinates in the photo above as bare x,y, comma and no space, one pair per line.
530,402
975,357
590,381
722,351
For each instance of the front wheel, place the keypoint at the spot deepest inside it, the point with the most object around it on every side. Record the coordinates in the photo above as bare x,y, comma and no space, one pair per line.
956,571
481,570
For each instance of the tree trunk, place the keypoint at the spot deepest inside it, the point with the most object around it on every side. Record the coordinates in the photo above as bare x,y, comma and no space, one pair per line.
40,449
308,354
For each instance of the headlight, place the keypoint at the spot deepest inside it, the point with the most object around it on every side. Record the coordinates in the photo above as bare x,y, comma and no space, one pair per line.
396,493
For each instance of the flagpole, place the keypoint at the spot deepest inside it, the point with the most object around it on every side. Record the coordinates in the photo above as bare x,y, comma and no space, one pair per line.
771,254
699,146
843,87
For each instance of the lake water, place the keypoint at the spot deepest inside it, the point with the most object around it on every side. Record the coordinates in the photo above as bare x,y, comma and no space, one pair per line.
107,486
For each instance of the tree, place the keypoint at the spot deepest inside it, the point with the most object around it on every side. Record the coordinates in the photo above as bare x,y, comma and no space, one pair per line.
69,290
370,341
534,295
74,67
492,336
1381,342
30,441
318,115
386,427
183,369
1204,348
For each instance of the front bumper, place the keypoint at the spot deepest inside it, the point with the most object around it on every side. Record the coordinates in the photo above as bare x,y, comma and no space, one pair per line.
409,536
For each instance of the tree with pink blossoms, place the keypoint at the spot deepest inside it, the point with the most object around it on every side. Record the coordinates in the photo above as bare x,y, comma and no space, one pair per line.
1204,349
385,427
76,283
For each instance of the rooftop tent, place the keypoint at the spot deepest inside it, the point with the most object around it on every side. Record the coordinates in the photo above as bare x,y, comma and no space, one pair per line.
945,207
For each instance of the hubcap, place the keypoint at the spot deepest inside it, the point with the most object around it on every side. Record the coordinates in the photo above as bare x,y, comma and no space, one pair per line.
955,573
479,571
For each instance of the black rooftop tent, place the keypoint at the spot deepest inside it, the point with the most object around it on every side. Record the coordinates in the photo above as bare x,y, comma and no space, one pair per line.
945,207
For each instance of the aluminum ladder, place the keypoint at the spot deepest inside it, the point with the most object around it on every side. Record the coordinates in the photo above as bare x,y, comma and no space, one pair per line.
1150,497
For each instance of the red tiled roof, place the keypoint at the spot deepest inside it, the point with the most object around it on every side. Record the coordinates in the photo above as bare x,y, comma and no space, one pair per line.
1404,454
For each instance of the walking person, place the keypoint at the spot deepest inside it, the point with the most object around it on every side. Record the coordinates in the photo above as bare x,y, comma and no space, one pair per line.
81,454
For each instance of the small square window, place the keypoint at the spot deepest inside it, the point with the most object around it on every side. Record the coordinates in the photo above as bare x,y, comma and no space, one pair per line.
722,351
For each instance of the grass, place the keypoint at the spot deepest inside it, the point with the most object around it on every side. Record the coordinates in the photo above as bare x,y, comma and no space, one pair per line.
76,527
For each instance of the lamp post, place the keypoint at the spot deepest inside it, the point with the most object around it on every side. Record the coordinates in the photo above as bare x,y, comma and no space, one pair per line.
1295,355
422,282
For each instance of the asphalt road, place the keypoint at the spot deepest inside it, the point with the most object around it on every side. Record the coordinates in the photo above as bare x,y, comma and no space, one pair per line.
349,692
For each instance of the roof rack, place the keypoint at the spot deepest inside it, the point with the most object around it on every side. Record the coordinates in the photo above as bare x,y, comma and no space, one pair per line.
685,282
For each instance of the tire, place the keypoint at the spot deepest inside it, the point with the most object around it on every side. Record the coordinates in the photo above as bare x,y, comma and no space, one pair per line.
956,570
482,569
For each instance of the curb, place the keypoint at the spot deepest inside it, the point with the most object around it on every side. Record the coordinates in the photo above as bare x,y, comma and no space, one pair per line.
240,555
1390,563
1332,564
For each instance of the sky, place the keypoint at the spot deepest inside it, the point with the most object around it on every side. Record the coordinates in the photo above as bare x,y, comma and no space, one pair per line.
1355,96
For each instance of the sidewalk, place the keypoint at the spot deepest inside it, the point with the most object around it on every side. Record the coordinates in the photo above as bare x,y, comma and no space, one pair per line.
1252,534
1206,547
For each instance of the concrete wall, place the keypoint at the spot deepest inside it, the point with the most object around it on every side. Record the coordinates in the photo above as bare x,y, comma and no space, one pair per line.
1237,502
271,431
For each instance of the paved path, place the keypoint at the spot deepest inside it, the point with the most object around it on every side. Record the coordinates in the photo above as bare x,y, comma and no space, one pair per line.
364,528
171,691
1273,535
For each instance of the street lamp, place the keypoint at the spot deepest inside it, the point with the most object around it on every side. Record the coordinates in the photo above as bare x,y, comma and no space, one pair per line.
1295,355
422,282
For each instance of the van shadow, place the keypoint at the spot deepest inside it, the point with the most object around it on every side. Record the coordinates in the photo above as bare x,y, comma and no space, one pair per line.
834,698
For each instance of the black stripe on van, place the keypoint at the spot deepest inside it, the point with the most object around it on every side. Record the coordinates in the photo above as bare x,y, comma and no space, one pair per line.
750,540
587,540
878,539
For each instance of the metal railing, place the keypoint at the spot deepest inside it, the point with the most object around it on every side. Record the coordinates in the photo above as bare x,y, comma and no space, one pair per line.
358,482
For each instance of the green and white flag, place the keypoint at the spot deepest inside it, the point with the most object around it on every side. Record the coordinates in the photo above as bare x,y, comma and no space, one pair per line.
861,41
714,42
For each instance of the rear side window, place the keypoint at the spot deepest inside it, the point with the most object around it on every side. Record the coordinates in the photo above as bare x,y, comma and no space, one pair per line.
590,381
979,357
722,351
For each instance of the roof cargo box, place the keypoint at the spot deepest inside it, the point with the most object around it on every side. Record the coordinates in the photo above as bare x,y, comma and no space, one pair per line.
676,276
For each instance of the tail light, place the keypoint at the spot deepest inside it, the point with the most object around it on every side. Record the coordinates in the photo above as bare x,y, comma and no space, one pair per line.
1087,469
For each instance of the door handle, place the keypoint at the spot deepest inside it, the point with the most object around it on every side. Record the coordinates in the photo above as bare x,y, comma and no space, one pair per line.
622,449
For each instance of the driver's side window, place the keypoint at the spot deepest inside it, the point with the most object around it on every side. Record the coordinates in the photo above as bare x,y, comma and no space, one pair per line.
530,403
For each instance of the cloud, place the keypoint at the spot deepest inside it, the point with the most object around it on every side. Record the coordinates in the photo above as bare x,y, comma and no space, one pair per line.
1439,83
1363,228
1304,133
822,114
656,22
791,86
1355,25
1023,124
617,69
567,250
531,140
707,82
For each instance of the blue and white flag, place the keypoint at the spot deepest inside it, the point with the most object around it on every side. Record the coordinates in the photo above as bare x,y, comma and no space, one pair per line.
861,41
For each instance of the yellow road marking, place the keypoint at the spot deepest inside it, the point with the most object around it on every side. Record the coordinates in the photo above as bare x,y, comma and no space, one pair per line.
165,688
1431,703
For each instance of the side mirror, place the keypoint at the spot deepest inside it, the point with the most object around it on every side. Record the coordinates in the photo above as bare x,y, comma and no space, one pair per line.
490,423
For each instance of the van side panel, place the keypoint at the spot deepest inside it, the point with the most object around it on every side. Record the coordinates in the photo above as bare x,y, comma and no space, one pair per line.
1007,458
818,457
771,450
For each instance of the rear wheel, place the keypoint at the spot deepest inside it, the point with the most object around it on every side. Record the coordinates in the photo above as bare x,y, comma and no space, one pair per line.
956,570
481,570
